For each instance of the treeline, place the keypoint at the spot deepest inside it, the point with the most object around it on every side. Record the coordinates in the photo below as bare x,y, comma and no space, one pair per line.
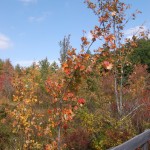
96,124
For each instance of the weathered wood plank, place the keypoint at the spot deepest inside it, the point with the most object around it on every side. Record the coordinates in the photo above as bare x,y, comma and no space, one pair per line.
135,142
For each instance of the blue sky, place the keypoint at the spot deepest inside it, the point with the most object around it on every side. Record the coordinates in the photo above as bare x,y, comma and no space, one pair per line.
31,29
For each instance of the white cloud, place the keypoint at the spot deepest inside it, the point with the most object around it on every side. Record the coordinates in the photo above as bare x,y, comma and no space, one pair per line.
5,42
39,18
135,31
28,1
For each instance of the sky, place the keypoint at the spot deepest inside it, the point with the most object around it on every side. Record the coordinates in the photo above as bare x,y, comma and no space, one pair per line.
30,30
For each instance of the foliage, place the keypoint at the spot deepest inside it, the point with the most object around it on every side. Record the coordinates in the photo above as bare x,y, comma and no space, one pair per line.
92,101
141,54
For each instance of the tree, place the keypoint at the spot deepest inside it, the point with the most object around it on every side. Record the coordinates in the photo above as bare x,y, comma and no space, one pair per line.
63,91
64,47
112,20
54,67
44,68
1,66
141,54
6,76
18,69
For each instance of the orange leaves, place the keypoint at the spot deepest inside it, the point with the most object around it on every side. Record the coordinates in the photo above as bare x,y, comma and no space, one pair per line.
90,4
96,33
86,56
84,41
80,67
110,38
64,65
68,114
104,18
74,63
68,96
53,85
71,52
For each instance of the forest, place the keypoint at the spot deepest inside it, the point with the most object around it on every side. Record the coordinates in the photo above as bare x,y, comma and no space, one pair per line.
92,100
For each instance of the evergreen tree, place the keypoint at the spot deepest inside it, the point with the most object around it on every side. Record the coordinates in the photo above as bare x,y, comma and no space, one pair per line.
44,68
54,67
64,47
18,69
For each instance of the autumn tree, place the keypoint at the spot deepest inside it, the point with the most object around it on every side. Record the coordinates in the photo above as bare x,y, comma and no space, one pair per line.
6,75
112,20
63,91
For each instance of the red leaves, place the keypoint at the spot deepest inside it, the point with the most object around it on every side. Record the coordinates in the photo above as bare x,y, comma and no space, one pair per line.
68,96
81,101
50,111
65,126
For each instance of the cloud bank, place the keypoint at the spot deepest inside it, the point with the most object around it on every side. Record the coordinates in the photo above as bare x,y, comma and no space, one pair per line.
5,42
135,31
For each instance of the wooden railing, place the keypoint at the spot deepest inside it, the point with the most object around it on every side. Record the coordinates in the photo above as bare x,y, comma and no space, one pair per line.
140,141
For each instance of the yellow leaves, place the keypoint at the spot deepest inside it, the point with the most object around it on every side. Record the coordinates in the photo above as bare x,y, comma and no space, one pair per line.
32,144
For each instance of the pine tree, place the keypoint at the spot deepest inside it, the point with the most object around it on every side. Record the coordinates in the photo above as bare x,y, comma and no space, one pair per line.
64,47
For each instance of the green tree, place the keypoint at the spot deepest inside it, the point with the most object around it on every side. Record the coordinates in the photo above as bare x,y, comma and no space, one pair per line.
1,66
54,67
44,69
141,54
18,69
